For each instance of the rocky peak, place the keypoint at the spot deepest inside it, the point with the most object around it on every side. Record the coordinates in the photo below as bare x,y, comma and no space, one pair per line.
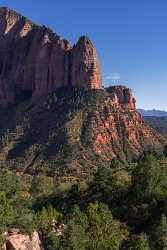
122,96
84,41
85,64
8,19
34,61
13,23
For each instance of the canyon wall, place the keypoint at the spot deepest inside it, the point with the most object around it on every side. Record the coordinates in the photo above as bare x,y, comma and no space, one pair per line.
34,60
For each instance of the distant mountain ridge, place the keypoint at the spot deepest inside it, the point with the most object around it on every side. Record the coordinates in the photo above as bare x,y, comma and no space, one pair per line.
153,112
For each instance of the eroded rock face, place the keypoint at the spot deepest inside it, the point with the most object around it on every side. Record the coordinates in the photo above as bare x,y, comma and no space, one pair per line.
35,60
118,127
18,241
122,96
85,65
98,126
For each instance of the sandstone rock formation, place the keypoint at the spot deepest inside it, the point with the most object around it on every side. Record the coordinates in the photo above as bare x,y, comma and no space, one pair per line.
19,241
122,128
35,61
85,65
122,96
86,128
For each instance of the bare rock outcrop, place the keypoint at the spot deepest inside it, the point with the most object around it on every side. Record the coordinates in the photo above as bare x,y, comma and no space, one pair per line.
18,241
122,96
118,127
34,60
85,65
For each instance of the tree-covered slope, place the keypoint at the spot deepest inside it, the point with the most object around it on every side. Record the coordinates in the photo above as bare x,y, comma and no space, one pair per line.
72,132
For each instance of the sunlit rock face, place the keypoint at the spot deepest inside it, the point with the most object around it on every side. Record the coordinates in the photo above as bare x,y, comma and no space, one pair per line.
18,241
118,127
34,60
85,65
123,96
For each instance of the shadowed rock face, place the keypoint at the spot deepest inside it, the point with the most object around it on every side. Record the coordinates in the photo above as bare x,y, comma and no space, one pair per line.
34,58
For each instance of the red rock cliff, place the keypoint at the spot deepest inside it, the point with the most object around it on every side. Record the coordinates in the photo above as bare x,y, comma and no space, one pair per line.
118,127
122,95
35,59
85,65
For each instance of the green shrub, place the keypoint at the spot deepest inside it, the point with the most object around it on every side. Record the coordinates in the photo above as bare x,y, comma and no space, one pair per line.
46,219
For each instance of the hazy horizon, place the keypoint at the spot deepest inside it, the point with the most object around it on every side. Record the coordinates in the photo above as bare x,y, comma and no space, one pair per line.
130,39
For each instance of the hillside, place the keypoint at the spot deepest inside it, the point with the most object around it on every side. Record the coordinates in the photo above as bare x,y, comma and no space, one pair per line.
74,131
56,118
80,168
157,123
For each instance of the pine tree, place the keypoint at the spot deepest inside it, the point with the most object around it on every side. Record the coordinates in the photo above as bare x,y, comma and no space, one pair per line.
140,243
104,231
160,233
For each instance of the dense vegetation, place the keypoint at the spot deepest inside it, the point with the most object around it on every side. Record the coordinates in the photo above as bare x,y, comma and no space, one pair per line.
55,135
51,136
122,205
117,208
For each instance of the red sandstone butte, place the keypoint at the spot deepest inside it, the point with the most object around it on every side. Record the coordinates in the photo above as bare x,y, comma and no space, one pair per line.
33,58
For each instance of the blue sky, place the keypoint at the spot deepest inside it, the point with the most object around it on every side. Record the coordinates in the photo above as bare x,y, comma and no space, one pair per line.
130,37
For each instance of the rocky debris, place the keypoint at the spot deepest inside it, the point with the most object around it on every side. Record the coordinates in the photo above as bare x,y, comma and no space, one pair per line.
34,60
18,241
